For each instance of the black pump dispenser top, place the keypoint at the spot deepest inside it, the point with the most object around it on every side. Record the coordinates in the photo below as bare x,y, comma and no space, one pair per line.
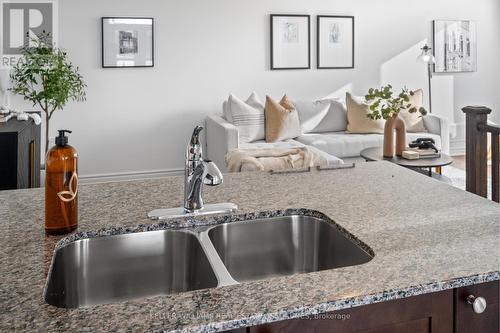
62,139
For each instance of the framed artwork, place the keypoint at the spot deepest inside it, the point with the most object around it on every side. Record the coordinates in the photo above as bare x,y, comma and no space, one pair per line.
290,41
454,46
127,42
335,42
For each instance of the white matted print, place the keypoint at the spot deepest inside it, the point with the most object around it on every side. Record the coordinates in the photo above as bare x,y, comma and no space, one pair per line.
290,42
455,46
127,42
335,41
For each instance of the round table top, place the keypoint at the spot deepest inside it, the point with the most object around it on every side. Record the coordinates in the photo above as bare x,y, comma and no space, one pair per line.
376,154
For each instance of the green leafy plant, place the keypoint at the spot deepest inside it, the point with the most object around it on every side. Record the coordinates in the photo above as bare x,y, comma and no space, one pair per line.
45,77
384,104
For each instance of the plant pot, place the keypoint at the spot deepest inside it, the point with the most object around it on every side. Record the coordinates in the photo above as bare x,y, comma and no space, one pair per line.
394,123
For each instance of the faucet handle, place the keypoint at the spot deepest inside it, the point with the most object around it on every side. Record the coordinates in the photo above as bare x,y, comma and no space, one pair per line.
194,150
195,136
213,175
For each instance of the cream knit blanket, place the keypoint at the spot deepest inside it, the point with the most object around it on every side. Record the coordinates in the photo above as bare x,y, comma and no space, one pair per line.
238,160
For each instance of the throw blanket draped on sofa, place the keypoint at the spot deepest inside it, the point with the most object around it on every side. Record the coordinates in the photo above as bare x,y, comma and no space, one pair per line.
238,160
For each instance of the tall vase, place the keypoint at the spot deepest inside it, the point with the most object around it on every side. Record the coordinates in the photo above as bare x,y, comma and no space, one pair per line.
394,124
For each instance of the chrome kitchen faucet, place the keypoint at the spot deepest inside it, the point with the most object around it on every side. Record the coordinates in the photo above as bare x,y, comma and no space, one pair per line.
197,172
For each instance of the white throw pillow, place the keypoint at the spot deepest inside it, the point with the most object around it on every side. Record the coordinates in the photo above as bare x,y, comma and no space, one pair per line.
225,112
248,117
336,119
326,115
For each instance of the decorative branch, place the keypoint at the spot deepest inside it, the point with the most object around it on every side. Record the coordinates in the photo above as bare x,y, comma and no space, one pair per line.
384,105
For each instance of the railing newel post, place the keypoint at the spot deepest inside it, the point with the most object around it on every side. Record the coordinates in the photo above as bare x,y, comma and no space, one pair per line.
476,146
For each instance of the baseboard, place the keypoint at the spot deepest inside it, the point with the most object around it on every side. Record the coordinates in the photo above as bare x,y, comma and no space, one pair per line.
127,176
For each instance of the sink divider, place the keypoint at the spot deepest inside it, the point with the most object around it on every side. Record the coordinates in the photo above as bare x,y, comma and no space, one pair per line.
220,270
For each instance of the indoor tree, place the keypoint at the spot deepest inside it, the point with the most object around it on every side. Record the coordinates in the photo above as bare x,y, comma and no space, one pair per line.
45,77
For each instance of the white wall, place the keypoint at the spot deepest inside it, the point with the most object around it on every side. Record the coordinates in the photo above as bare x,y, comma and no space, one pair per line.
139,120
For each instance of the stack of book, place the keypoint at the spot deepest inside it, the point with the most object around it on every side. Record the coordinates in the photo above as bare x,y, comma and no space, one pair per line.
422,153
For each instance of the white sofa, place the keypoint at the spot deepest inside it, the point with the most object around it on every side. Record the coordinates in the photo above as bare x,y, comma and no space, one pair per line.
222,136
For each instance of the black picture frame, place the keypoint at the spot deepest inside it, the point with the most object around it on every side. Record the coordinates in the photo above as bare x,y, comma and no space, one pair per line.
273,63
104,18
318,44
441,58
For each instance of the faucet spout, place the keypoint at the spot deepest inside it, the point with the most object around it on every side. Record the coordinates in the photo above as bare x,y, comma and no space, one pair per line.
213,175
206,172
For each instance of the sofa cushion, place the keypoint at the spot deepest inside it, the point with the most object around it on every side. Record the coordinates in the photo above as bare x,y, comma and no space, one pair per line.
357,120
344,144
413,121
282,120
327,115
248,116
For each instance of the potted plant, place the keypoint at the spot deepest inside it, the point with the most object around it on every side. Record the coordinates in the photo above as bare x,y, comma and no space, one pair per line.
384,104
45,77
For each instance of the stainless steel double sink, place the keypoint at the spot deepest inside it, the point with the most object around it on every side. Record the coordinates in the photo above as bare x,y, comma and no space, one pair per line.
123,267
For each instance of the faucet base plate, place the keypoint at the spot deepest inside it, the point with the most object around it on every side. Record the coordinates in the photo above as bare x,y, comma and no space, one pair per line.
178,212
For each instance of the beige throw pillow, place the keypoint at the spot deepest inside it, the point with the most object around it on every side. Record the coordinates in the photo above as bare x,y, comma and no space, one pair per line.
282,120
413,121
357,120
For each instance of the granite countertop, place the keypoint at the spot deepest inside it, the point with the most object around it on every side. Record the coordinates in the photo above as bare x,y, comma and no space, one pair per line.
427,236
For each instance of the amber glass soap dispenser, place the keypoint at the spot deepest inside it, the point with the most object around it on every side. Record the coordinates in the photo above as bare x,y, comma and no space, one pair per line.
61,187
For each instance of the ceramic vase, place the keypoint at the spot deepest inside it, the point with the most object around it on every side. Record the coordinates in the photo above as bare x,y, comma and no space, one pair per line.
394,123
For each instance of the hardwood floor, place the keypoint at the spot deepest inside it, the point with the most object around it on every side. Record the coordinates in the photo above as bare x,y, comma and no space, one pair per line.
457,173
459,163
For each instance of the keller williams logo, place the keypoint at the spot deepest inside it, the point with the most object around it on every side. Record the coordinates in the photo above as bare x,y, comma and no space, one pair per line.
21,22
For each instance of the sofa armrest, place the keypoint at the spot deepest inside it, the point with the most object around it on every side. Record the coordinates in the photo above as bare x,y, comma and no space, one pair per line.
439,126
221,136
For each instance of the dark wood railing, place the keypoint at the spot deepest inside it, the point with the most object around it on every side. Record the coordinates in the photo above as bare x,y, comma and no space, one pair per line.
476,152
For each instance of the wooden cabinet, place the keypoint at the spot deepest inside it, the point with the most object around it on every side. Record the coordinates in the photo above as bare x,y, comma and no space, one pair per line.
441,312
19,155
466,320
419,314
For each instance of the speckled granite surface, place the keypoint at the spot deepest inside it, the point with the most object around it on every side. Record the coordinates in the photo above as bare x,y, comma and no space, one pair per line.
427,236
